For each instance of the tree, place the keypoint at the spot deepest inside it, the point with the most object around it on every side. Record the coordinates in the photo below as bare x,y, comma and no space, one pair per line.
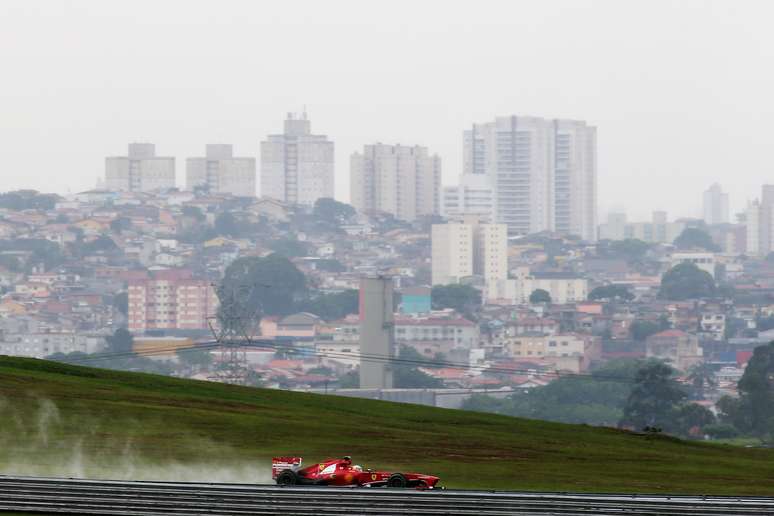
121,341
735,412
611,292
350,380
641,330
630,249
539,296
288,247
12,263
28,200
462,298
101,245
485,403
721,431
43,253
692,238
733,326
596,399
226,224
756,390
702,376
332,211
196,359
690,420
686,281
194,212
764,323
406,375
120,224
332,306
654,399
330,265
254,286
121,303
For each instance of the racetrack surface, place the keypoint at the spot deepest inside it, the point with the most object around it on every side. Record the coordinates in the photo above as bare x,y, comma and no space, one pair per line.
77,496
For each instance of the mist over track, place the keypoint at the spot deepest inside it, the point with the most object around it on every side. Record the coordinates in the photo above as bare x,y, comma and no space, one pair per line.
76,496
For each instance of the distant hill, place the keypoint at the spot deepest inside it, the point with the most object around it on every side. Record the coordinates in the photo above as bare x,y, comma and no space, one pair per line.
75,421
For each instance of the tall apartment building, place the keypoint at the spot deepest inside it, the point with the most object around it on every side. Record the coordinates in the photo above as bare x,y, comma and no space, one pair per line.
715,205
753,227
543,173
297,166
452,253
171,299
473,196
760,223
469,248
221,172
140,171
398,179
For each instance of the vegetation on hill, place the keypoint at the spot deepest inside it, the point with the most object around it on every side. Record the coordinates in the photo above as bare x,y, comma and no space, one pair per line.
122,425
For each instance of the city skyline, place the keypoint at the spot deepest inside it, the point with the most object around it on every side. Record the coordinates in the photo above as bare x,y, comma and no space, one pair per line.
624,81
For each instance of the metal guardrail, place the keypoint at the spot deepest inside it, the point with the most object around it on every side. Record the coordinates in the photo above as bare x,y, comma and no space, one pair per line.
75,496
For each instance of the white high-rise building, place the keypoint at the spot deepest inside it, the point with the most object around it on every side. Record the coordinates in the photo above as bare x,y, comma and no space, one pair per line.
473,196
467,248
401,180
760,223
221,172
140,171
716,209
543,173
297,166
452,253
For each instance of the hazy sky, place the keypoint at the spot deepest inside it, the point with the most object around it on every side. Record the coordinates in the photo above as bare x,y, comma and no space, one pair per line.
682,92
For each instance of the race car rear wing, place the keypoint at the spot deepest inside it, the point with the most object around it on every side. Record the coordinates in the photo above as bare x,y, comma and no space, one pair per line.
279,464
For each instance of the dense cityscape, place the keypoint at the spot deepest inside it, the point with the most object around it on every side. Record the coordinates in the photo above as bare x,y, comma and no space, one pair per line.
502,293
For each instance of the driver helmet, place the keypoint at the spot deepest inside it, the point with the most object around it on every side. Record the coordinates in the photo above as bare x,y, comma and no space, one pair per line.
357,468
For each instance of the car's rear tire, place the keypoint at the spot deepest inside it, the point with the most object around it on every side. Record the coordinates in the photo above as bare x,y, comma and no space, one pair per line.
397,480
287,478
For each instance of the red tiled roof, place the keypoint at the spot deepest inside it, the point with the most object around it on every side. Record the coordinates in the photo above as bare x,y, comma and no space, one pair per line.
670,333
286,364
446,373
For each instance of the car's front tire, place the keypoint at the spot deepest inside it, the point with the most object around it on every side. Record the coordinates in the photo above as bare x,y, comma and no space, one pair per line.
397,480
287,478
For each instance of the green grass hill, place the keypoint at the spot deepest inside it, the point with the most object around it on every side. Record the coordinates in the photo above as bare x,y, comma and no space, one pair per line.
63,420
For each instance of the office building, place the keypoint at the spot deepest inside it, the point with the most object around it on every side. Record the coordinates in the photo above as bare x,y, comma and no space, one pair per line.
220,172
715,205
543,173
397,179
297,166
140,171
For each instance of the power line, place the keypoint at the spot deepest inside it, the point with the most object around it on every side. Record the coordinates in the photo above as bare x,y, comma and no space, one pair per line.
363,357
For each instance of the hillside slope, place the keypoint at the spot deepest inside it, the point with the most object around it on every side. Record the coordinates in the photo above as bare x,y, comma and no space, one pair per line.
75,421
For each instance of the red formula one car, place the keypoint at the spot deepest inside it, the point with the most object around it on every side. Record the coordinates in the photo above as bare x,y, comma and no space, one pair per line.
341,472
